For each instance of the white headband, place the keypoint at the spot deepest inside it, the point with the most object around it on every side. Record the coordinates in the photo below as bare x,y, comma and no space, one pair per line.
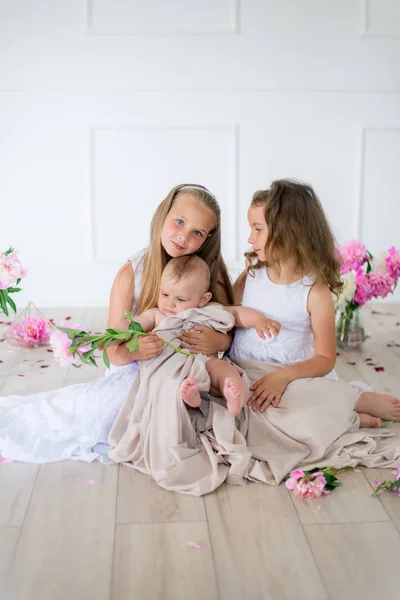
196,187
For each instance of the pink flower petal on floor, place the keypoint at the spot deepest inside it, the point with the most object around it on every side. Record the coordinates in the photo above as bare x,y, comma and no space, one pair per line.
49,350
379,369
377,482
68,318
5,460
20,375
93,482
1,362
193,545
44,366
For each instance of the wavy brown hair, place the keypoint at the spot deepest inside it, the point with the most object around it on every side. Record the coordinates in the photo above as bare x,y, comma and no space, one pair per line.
297,229
156,257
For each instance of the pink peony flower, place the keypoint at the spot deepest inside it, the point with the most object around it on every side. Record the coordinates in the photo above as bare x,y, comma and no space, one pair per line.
297,474
364,290
352,254
31,330
397,474
381,283
11,270
307,486
393,263
60,343
84,348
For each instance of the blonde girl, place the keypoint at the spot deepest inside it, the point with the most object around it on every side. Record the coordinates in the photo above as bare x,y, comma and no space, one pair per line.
187,222
74,422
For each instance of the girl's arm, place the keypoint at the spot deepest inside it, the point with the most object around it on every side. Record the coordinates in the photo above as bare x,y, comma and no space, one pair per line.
322,312
121,300
269,389
246,318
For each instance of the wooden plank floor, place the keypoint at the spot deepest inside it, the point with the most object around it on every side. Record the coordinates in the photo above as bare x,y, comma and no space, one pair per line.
62,539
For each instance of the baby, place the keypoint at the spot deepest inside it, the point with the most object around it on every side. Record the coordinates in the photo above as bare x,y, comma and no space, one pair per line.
185,282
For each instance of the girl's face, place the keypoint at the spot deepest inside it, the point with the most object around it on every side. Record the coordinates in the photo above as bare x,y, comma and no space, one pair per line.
258,231
187,226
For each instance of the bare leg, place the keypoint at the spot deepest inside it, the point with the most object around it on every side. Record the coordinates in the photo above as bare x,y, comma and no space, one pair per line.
226,379
379,405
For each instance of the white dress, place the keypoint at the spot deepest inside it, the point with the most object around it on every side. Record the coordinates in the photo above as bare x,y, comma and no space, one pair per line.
72,422
286,303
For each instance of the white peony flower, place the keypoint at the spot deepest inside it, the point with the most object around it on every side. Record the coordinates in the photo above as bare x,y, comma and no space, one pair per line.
349,289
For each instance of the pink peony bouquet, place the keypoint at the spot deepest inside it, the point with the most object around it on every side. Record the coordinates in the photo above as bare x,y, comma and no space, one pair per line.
11,273
70,343
31,332
312,484
363,280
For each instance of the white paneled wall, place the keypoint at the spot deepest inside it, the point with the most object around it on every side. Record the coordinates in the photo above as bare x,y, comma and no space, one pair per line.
105,105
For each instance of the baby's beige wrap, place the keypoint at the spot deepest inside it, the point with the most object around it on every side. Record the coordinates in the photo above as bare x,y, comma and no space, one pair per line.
193,451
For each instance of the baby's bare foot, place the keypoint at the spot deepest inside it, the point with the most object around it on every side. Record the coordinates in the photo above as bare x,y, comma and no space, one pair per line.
190,392
379,405
368,421
234,395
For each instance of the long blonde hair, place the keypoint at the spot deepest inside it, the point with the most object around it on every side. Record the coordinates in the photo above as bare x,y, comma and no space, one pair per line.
156,257
297,229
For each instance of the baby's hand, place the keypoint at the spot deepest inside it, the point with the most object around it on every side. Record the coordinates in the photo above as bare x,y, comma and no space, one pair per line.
266,326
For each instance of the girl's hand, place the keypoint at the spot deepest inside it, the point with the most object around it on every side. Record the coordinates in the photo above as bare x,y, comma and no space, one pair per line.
266,326
201,340
268,390
150,346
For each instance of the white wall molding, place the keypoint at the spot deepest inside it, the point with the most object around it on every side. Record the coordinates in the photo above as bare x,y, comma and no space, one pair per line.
390,28
360,170
160,24
230,196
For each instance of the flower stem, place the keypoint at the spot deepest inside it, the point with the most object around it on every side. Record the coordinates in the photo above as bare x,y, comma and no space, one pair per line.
175,348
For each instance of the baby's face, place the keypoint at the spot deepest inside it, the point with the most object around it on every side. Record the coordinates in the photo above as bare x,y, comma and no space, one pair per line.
177,296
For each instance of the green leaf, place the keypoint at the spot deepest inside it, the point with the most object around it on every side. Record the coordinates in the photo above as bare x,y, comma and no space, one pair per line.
13,290
11,303
7,252
133,344
106,360
126,335
134,326
72,333
18,281
3,304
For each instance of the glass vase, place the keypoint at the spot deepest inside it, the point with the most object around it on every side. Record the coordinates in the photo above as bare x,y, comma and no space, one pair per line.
350,334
